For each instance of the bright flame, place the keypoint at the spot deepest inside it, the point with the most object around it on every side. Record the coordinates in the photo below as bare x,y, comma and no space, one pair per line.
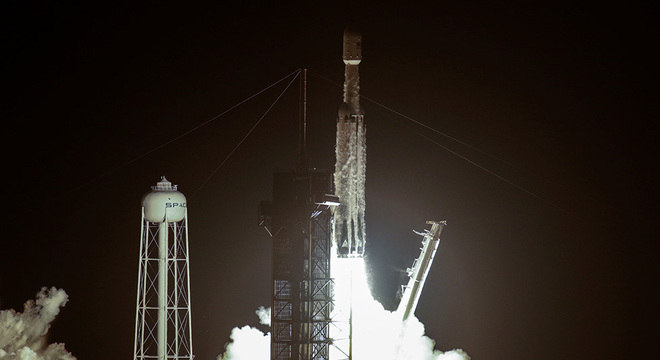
377,333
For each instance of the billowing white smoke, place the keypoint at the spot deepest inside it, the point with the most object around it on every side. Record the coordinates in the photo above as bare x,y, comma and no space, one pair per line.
377,333
22,335
248,343
264,315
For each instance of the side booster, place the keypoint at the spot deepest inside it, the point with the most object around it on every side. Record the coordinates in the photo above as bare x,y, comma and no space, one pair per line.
349,228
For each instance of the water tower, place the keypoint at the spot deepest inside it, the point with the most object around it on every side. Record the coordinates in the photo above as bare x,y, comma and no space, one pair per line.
162,317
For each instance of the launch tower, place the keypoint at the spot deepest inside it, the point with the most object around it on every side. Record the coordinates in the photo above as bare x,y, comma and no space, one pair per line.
162,317
298,220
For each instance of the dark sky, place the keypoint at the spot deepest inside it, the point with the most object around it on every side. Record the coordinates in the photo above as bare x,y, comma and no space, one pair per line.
561,92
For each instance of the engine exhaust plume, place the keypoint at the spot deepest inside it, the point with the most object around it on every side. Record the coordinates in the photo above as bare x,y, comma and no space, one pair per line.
382,334
23,335
377,333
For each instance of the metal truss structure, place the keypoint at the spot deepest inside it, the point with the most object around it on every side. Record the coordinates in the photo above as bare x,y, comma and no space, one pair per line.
162,319
299,222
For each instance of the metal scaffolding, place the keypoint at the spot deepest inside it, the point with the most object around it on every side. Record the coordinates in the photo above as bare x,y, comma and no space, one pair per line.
299,222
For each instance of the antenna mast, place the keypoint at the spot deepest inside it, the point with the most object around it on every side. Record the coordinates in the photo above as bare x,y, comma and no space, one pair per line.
302,148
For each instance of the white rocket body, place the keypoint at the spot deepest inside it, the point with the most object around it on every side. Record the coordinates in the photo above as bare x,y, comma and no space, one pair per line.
349,227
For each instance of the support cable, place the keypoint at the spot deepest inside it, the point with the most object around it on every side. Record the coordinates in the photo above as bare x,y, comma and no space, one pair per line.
528,192
176,138
213,118
491,172
422,124
186,133
246,135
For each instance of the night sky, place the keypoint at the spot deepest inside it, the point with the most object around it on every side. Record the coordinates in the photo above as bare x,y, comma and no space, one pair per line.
559,97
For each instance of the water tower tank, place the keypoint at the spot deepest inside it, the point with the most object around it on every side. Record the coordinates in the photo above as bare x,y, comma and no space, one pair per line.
164,202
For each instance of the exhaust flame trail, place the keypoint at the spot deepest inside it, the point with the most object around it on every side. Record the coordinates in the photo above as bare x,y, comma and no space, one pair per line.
377,333
22,335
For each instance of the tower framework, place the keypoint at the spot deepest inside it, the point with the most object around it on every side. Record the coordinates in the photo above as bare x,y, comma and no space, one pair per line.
299,222
162,318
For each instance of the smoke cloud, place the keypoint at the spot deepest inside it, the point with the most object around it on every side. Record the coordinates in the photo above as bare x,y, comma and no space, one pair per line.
248,343
382,334
23,335
264,315
389,342
377,333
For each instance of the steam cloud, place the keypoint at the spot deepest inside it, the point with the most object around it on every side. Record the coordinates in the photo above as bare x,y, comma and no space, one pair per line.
22,335
264,315
377,333
249,343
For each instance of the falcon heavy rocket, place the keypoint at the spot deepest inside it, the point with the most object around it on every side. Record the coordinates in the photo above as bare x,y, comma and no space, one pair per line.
349,228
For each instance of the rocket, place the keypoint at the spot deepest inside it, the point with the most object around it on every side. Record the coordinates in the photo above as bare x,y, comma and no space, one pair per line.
349,227
352,56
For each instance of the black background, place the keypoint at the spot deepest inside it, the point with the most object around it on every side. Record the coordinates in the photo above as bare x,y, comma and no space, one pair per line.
562,92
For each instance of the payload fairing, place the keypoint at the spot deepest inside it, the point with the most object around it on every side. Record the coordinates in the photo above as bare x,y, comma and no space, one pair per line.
349,227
